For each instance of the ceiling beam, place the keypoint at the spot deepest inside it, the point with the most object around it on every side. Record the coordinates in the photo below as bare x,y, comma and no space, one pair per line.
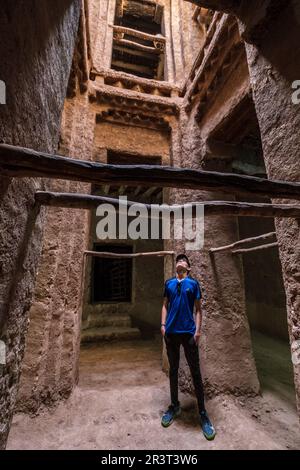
223,208
22,162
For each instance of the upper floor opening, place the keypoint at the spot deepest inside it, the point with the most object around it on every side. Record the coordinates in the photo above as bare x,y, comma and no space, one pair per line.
138,39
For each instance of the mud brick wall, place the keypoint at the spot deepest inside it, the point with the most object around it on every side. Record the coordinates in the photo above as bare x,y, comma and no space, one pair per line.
36,48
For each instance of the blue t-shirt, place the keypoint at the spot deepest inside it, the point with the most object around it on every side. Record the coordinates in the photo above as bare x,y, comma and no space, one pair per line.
181,295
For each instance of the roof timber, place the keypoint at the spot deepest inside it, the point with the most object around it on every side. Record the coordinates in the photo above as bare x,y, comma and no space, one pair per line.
223,208
22,162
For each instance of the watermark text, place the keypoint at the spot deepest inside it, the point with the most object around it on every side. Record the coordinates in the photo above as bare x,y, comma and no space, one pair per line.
155,222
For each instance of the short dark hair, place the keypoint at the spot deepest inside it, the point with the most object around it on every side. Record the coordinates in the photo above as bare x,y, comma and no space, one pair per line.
182,256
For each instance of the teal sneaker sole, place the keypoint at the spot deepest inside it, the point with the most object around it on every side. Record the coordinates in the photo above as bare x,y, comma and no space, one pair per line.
209,438
166,425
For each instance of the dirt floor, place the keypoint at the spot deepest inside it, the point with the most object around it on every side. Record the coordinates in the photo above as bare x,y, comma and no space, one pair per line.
123,392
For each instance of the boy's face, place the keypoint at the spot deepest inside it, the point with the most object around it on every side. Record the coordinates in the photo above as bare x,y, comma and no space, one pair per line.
182,268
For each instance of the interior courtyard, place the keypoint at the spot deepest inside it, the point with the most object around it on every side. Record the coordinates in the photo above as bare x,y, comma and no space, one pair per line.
157,102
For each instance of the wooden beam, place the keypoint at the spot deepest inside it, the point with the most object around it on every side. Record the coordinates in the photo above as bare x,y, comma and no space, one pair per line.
138,34
265,236
224,208
133,67
112,76
254,248
107,254
21,162
135,45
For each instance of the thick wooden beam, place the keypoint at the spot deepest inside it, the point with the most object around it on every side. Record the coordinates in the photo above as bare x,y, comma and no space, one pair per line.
254,248
245,241
21,162
138,34
106,254
225,208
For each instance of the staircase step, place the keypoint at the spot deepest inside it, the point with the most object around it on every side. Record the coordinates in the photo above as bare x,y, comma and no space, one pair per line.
95,320
95,335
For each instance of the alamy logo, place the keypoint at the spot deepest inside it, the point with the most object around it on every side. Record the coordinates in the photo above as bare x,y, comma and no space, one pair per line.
296,94
2,92
139,221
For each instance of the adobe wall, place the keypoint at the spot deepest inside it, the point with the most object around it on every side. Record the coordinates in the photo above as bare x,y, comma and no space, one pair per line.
50,367
130,139
274,64
227,361
264,289
36,50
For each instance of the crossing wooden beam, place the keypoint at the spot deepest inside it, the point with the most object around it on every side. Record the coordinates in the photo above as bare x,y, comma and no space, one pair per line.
136,45
254,248
224,208
139,34
245,241
107,254
22,162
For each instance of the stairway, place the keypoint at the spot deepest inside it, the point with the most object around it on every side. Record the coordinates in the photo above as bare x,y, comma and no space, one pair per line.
109,328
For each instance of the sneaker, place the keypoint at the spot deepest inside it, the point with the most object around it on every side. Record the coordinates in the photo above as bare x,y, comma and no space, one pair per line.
169,416
207,428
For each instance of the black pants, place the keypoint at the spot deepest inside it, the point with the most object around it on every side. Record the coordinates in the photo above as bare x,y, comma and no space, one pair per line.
173,342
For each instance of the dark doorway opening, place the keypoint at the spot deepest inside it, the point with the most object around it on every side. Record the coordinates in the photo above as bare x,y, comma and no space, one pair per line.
111,278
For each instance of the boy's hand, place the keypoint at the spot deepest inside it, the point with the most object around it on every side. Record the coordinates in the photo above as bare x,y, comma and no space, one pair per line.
197,337
163,330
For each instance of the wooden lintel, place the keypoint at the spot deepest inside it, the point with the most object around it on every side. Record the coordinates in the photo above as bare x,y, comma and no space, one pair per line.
107,254
137,46
138,34
22,162
224,208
